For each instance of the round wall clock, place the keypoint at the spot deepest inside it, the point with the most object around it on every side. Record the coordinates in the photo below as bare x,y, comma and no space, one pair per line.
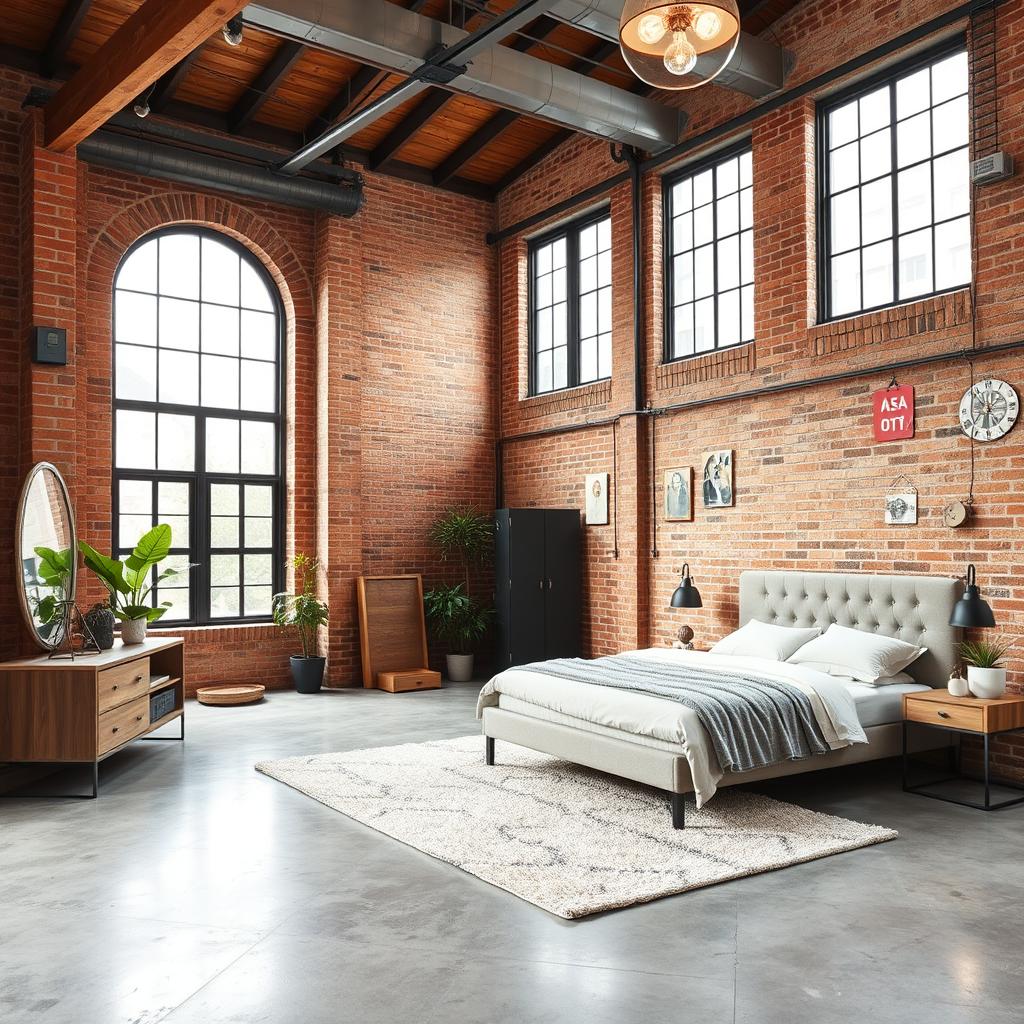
989,410
955,514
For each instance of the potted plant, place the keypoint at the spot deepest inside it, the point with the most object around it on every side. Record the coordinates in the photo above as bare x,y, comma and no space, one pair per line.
130,582
307,613
50,587
986,675
456,616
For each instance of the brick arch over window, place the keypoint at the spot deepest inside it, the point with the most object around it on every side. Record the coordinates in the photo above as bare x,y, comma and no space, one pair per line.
106,247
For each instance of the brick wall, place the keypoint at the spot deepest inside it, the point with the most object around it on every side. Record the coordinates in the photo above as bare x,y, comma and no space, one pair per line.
389,354
810,480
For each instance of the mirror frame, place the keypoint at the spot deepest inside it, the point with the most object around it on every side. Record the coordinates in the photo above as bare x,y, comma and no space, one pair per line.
26,488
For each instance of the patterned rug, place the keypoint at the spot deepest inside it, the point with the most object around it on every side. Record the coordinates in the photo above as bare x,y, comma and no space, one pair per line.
570,840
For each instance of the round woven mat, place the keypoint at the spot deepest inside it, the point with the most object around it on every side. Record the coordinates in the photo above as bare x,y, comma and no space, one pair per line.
224,696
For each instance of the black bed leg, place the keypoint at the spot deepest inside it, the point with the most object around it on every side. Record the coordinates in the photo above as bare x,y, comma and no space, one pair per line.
678,810
489,749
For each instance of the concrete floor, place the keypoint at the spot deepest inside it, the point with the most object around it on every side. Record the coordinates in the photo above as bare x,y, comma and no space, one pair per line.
195,891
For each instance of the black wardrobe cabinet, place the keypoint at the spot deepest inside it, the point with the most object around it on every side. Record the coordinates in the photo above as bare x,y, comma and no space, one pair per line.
537,583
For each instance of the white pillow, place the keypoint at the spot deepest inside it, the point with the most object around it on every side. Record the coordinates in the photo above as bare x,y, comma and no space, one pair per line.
900,677
763,640
842,651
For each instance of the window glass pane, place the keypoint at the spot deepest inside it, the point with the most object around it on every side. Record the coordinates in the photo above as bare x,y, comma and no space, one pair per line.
179,529
588,359
558,253
604,234
682,281
682,196
845,221
729,318
727,211
843,126
949,77
544,371
543,327
703,188
258,600
914,187
604,355
225,602
220,272
135,438
258,335
220,330
131,528
747,257
682,232
950,125
258,569
172,498
178,599
747,312
588,274
604,309
224,532
953,253
560,371
176,442
916,264
134,318
682,331
259,384
560,323
588,241
224,498
558,285
258,500
746,169
542,293
179,265
222,446
747,208
179,377
704,325
843,167
220,382
135,372
729,263
878,275
845,283
254,291
914,139
138,271
604,267
225,570
135,496
876,155
876,210
727,177
258,532
952,185
179,324
874,110
588,315
913,93
258,447
704,271
703,225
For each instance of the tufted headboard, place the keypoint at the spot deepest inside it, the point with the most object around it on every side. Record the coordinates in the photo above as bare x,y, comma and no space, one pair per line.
911,608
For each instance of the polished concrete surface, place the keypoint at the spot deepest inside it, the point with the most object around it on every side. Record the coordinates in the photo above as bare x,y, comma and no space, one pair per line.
196,891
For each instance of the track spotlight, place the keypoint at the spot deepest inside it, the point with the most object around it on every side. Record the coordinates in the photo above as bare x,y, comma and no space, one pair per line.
233,31
141,107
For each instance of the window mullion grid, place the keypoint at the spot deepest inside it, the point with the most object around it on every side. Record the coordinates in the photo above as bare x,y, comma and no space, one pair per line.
714,259
931,179
572,357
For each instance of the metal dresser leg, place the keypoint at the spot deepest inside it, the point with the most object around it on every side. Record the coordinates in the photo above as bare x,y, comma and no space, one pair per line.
489,749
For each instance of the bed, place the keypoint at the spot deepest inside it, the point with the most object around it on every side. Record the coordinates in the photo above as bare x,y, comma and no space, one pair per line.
655,741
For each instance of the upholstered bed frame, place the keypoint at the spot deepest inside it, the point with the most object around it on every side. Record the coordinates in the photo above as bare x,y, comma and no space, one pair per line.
911,608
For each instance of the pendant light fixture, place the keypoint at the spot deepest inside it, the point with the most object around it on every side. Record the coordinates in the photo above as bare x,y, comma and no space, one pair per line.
686,595
972,611
678,45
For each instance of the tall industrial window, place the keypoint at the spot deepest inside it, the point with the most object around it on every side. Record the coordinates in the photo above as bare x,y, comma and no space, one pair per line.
709,246
571,305
197,421
894,200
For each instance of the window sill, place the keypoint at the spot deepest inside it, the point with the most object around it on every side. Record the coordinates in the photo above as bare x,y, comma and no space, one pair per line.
584,396
722,362
235,631
924,316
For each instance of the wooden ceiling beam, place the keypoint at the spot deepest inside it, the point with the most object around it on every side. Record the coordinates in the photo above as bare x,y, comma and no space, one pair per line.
158,35
427,108
63,34
265,83
167,84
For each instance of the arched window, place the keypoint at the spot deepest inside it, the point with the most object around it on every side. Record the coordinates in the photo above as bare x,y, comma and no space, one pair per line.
198,439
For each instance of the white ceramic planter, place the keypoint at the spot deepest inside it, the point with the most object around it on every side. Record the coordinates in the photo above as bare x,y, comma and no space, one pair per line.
460,667
987,683
133,631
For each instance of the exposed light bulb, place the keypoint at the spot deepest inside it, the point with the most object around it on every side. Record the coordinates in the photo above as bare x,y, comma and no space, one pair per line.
233,31
707,25
680,56
141,107
651,28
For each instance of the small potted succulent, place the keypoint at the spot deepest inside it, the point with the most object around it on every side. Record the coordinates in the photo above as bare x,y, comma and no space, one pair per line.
986,674
130,582
306,613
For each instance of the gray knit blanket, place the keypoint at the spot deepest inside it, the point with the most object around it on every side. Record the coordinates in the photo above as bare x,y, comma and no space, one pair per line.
753,721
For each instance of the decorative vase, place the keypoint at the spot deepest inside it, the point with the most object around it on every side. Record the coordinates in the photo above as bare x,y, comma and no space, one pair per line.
957,685
307,673
987,683
460,667
100,620
133,631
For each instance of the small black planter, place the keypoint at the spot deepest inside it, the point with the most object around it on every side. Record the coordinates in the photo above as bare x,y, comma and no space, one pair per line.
308,673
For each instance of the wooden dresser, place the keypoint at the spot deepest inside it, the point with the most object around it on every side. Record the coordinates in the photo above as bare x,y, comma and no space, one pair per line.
59,711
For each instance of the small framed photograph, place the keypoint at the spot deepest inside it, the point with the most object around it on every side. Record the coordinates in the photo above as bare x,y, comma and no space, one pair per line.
901,508
678,499
717,479
596,499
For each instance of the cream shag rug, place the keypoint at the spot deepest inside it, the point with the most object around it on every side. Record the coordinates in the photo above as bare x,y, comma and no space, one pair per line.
568,839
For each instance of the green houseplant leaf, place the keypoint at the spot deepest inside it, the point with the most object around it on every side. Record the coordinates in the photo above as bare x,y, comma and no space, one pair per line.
303,611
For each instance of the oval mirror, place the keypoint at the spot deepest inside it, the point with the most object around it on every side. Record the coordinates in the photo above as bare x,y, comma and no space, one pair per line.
45,548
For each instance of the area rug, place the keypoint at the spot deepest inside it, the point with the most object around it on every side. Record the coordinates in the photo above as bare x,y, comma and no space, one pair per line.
570,840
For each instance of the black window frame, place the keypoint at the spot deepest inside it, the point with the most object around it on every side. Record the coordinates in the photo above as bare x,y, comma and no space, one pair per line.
668,182
571,231
824,107
199,479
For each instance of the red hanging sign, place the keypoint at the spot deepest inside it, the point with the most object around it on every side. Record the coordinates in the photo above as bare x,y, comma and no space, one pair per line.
894,413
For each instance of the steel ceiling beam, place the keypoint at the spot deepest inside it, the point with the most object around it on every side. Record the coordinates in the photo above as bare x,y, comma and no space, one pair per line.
63,35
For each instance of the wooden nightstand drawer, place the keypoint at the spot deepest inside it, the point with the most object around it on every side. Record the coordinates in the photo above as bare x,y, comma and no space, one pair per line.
122,683
953,716
403,682
123,723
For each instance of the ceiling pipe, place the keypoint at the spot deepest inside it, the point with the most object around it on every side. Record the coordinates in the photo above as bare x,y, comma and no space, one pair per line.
757,68
392,37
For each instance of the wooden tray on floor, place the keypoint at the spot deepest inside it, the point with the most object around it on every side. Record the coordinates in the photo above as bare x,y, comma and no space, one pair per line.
230,696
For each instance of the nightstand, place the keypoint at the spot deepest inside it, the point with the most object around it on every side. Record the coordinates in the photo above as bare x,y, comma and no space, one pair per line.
965,716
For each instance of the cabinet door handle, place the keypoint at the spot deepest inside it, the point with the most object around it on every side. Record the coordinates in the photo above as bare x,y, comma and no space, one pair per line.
114,687
943,714
549,584
138,718
540,583
114,729
138,679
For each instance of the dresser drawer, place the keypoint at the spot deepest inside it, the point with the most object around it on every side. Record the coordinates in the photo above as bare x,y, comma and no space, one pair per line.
123,723
122,683
403,682
953,716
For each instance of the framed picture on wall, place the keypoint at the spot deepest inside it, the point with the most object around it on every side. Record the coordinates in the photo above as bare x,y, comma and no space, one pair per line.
678,498
717,479
596,499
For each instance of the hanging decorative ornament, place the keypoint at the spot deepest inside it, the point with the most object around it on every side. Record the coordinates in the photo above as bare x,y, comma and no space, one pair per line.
678,45
901,502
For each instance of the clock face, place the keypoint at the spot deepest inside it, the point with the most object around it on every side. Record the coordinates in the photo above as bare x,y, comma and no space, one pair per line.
989,410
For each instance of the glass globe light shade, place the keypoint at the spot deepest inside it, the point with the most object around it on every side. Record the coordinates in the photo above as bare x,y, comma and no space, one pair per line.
678,45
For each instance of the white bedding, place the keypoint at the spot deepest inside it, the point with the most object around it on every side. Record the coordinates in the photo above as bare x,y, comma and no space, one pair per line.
646,718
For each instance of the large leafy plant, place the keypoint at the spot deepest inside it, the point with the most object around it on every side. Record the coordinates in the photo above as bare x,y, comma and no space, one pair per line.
53,573
455,617
130,582
465,535
303,611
